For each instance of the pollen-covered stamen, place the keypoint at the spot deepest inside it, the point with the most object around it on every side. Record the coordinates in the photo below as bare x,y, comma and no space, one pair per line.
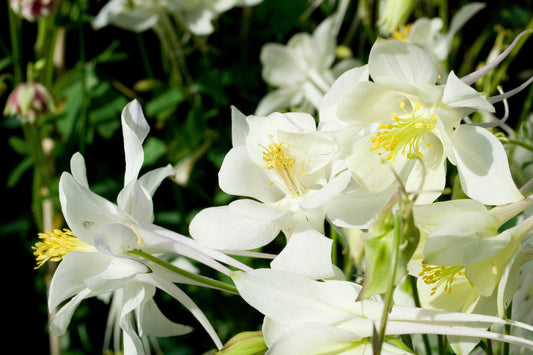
55,245
404,135
403,33
276,158
441,276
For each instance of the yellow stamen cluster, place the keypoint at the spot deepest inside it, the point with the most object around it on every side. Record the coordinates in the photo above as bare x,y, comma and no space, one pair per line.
276,158
402,33
441,276
56,244
404,135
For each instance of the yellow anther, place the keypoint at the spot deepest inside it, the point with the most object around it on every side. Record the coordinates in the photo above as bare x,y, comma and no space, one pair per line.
405,134
276,157
441,276
402,34
55,245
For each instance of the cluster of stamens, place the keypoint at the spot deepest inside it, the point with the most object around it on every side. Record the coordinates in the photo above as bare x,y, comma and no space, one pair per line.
404,135
276,158
55,245
441,276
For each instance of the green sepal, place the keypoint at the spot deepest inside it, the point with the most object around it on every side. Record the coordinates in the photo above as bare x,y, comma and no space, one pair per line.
389,245
245,343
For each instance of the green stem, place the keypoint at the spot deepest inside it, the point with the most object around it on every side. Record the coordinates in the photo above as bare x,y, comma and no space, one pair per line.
387,304
14,31
202,279
144,56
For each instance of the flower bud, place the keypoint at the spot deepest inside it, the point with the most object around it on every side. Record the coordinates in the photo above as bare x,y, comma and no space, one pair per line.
33,10
250,343
28,101
395,14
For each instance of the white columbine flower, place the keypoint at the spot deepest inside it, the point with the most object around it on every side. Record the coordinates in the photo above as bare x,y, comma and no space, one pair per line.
95,252
140,15
288,172
403,114
304,316
301,71
427,34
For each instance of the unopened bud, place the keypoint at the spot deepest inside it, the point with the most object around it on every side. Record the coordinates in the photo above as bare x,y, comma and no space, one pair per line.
32,10
249,343
29,101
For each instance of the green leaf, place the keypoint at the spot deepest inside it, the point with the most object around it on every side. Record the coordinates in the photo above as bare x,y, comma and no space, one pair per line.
18,144
164,104
18,171
154,148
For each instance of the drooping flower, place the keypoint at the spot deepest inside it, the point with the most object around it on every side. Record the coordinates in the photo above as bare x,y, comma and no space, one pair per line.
470,267
29,101
478,257
313,317
96,252
405,118
302,70
293,183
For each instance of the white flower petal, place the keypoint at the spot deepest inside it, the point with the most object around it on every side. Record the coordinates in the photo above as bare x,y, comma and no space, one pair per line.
333,189
317,339
239,127
307,253
403,62
459,95
70,275
134,131
279,99
294,299
222,228
186,301
84,211
59,323
118,273
483,167
281,65
115,239
458,241
365,102
328,106
240,176
355,208
79,170
154,323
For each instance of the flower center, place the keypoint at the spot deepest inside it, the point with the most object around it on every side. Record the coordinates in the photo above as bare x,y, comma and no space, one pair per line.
404,135
441,276
55,245
276,157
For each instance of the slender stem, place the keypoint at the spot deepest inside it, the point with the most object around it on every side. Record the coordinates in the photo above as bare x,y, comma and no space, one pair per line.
387,304
202,279
144,56
15,31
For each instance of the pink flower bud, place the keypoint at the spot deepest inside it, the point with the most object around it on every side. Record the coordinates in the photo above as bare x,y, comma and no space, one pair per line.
28,101
33,10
